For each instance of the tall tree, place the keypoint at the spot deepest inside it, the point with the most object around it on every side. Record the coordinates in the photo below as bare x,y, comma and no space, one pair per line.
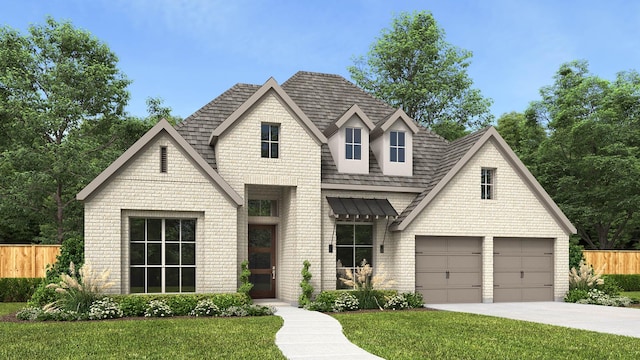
412,66
60,94
590,162
523,134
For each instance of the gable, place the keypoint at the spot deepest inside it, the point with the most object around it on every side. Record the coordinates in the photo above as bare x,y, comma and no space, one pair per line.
502,158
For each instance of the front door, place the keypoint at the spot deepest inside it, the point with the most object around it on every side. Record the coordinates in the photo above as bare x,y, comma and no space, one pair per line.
262,260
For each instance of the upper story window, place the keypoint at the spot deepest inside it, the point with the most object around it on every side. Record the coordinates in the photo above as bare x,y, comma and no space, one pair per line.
397,146
353,143
163,159
270,139
487,183
263,208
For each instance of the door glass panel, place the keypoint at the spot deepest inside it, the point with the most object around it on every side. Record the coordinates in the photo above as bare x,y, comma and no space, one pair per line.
261,282
260,260
259,237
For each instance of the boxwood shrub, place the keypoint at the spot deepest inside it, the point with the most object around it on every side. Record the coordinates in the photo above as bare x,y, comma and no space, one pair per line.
18,289
180,304
628,282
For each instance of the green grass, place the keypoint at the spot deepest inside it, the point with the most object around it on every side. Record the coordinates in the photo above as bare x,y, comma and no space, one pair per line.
449,335
183,338
8,308
631,294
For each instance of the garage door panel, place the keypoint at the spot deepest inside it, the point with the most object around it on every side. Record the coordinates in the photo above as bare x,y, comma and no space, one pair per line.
431,245
463,245
537,246
434,296
537,278
464,262
430,262
464,279
507,246
507,294
506,263
537,262
431,280
507,278
473,295
537,294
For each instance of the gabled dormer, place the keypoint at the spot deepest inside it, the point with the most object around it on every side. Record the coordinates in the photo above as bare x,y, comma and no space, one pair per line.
392,144
348,139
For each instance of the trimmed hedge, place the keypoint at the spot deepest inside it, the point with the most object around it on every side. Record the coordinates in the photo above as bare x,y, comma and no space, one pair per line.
628,282
180,304
18,289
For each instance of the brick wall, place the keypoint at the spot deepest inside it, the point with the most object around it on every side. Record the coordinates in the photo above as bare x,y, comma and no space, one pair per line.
141,190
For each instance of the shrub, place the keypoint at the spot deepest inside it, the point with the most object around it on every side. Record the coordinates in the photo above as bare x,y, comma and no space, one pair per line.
414,299
105,308
157,308
630,282
598,297
258,310
30,313
345,302
575,255
71,251
574,295
43,294
245,285
18,289
132,305
397,302
239,311
53,313
609,287
181,305
78,292
307,289
324,301
584,277
365,284
205,307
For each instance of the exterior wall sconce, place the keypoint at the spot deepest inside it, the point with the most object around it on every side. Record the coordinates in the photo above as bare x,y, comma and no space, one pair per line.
382,249
330,248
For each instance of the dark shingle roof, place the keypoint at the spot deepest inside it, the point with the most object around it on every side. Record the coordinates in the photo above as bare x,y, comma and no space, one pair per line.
324,98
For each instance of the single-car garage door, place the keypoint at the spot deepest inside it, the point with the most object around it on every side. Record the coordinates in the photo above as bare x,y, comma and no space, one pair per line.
523,269
449,269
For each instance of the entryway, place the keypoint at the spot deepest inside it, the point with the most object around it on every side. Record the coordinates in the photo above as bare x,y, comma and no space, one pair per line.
262,261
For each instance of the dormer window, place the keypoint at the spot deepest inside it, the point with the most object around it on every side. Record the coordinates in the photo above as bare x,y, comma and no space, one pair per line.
397,147
270,137
353,150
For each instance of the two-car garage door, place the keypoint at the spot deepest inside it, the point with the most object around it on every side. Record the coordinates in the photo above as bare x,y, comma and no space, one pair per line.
449,269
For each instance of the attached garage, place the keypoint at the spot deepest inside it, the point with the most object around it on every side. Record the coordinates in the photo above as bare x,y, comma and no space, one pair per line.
449,269
523,269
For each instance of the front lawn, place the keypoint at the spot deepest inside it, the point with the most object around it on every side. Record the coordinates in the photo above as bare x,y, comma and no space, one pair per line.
178,338
450,335
634,295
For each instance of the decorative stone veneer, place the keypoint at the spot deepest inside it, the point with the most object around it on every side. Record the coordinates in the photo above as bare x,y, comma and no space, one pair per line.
458,211
296,170
140,189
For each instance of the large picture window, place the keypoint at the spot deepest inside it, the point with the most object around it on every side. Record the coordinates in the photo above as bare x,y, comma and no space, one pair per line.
354,243
162,255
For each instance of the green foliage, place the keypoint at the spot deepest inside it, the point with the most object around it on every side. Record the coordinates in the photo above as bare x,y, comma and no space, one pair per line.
105,308
584,277
412,67
63,92
18,289
179,304
131,305
43,295
346,302
599,297
158,308
523,134
71,251
414,299
630,282
325,301
307,288
76,292
590,161
609,287
245,285
575,255
574,295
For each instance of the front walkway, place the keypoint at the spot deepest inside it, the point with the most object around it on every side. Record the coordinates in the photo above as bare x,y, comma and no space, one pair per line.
604,319
313,335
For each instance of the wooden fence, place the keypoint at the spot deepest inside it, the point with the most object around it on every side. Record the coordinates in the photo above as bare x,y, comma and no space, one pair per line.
29,261
614,261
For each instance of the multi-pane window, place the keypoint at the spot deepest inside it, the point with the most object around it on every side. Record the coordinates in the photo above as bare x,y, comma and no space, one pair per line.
353,143
270,138
354,243
162,255
487,183
263,208
397,146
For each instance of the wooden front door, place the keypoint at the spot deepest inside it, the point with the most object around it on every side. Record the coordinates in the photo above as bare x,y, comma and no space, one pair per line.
262,261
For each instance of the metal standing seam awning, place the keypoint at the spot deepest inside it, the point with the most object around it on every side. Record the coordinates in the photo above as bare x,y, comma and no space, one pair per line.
361,208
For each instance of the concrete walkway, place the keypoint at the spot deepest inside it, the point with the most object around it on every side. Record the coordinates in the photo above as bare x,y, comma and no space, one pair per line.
604,319
313,335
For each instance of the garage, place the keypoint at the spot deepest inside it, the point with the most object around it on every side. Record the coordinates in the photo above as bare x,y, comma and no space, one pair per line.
449,269
523,269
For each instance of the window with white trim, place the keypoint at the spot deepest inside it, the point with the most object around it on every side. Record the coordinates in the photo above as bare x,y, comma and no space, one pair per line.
354,243
353,141
397,148
270,139
162,255
487,183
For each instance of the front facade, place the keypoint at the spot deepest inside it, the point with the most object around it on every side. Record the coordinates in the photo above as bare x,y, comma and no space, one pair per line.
315,169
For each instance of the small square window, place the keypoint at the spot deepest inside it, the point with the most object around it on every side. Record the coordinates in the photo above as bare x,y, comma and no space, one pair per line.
487,184
270,138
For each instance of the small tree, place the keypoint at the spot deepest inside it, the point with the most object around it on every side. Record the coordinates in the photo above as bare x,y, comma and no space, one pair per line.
245,285
307,288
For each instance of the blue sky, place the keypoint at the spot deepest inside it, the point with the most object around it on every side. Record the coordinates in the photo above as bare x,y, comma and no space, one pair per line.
188,52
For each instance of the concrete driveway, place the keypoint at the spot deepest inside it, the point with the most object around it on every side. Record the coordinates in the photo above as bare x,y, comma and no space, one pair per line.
605,319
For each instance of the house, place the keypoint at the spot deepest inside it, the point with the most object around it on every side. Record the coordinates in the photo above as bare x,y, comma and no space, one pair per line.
315,169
